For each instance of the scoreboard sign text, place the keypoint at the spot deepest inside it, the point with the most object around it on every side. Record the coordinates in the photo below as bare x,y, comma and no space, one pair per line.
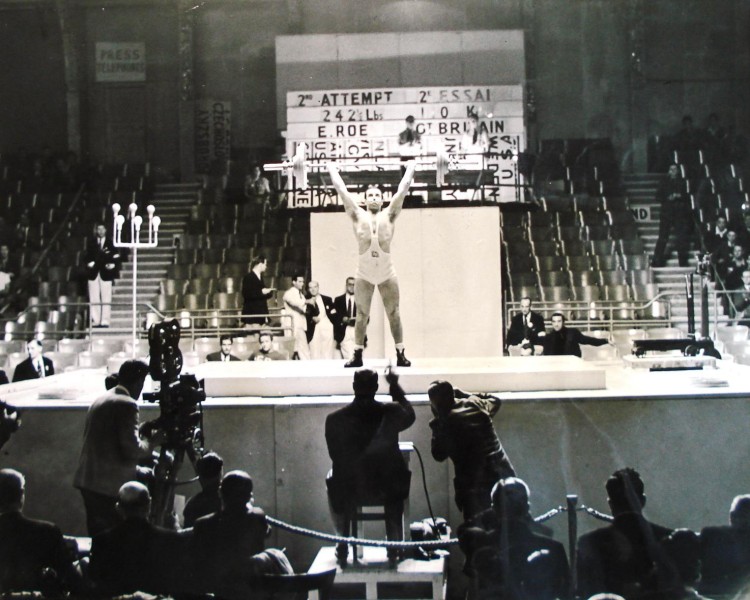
365,123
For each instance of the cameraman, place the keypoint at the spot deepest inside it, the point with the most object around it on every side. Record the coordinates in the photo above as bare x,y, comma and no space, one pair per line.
112,446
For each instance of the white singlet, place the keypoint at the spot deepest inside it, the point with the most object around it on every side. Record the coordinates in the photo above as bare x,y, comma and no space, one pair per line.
375,265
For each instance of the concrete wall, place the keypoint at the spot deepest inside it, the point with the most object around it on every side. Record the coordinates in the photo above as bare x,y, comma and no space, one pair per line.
693,57
691,452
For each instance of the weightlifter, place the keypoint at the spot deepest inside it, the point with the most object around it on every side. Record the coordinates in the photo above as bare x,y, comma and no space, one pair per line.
374,229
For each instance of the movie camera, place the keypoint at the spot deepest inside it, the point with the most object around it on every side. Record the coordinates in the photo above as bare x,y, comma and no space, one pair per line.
180,418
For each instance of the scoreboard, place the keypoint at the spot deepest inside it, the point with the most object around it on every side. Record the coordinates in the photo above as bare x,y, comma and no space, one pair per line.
365,124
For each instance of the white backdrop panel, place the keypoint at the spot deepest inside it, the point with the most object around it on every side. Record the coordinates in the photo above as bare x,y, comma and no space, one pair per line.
448,265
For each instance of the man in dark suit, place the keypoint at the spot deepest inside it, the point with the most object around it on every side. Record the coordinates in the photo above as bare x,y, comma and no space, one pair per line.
102,268
35,366
28,546
230,545
210,469
135,555
362,440
112,447
255,294
525,327
225,354
345,315
626,557
564,340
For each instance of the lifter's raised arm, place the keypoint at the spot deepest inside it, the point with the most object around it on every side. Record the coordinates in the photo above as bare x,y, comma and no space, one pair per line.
397,202
350,206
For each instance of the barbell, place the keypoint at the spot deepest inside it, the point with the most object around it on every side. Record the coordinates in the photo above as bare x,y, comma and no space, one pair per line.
299,166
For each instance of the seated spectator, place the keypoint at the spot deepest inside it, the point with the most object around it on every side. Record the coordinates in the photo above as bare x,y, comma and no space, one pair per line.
564,340
526,327
734,268
209,468
35,366
28,548
135,555
625,557
725,552
716,234
230,546
722,252
743,232
225,354
682,547
741,300
509,559
8,264
362,440
266,351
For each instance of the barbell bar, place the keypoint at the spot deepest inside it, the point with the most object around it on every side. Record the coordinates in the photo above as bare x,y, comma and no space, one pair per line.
298,167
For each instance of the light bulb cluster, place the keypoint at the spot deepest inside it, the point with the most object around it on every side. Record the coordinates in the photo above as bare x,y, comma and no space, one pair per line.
136,222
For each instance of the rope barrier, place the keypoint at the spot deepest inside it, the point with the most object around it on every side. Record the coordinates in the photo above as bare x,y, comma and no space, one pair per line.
357,541
596,514
338,539
550,514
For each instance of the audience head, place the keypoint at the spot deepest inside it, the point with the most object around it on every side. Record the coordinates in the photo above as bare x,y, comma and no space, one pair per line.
133,500
100,230
673,171
746,278
525,305
731,237
510,498
365,382
236,490
739,513
266,340
132,375
12,487
259,263
625,491
683,549
558,321
4,251
299,281
721,223
226,344
313,287
738,251
349,285
209,468
442,397
34,349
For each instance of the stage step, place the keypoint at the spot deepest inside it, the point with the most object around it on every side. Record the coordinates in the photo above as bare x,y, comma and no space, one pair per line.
416,578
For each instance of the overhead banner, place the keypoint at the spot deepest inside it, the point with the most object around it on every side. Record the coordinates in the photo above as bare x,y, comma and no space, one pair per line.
213,125
120,62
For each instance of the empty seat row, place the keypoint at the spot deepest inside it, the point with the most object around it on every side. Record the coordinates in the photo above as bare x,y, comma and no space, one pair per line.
582,278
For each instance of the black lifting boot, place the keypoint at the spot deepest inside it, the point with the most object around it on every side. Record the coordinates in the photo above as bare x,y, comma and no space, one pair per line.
356,360
401,360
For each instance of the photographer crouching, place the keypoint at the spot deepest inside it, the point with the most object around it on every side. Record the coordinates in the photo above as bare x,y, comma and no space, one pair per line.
113,444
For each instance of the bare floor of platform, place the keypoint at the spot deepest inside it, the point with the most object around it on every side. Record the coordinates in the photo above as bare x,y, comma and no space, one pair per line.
372,569
487,374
